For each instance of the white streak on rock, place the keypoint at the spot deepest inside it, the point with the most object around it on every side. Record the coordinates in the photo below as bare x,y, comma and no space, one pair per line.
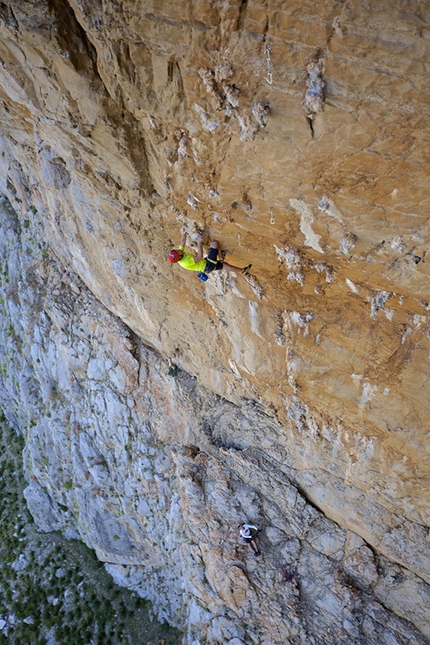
193,202
368,393
254,317
351,285
306,221
326,206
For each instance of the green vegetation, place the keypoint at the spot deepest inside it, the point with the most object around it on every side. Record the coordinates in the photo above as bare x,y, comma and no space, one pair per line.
50,586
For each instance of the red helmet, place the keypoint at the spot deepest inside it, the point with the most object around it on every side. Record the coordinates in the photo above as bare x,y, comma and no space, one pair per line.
174,256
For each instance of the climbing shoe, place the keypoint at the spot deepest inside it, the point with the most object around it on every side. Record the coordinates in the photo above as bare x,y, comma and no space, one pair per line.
245,271
256,554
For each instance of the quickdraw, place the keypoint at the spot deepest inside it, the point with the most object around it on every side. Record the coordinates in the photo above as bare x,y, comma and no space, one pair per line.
269,77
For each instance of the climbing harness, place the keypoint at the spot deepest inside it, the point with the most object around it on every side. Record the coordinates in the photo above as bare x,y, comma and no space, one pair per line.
269,77
204,275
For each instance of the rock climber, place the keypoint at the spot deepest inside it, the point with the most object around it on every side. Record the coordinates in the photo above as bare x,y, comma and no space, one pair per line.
204,266
246,532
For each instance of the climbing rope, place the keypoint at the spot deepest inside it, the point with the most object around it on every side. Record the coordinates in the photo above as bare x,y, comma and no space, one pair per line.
269,77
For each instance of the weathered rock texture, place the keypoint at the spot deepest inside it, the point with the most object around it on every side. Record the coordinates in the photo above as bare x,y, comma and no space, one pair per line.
160,411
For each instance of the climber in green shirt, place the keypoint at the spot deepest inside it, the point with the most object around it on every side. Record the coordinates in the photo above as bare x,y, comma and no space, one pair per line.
214,261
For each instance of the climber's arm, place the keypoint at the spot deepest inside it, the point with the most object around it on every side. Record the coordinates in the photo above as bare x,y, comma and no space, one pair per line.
184,236
199,254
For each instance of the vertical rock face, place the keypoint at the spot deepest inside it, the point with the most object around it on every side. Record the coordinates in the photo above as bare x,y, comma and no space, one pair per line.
160,411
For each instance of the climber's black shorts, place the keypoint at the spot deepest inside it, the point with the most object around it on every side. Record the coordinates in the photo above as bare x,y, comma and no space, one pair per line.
212,264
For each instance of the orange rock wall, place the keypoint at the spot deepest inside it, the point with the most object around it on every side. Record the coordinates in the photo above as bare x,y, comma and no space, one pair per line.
123,121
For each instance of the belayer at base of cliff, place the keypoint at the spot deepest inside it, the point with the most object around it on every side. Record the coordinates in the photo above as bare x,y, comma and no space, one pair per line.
247,533
214,261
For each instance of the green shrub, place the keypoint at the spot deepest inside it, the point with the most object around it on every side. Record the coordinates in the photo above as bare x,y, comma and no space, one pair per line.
121,617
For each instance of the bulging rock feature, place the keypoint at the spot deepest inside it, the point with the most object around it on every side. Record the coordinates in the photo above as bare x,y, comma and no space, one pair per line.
348,242
314,97
260,112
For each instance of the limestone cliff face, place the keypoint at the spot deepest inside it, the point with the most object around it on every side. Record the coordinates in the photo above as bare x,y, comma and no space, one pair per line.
159,411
